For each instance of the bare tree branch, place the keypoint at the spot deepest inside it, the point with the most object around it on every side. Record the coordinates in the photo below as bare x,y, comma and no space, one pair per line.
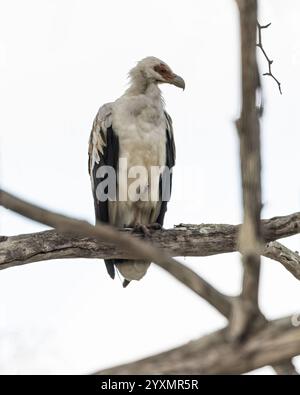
246,312
289,259
249,135
277,342
185,275
270,62
183,240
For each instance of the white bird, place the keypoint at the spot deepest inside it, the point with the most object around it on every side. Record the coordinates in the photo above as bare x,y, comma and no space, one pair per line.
130,135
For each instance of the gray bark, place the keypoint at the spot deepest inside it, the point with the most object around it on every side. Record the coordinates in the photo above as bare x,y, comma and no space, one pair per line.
214,354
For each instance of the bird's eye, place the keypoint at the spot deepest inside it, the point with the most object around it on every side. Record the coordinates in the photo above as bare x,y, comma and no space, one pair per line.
160,69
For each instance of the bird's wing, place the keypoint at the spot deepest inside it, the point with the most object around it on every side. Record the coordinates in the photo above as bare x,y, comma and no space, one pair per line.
103,151
170,162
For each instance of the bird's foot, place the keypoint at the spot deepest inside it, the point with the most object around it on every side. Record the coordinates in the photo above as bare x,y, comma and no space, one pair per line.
139,228
154,226
145,229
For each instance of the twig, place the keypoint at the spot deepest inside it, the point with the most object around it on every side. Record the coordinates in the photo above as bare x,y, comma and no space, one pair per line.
259,44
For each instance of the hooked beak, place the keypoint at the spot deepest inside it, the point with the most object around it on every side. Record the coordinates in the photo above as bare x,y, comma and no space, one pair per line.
178,81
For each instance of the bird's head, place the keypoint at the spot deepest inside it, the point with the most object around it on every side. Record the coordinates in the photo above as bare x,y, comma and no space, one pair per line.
154,70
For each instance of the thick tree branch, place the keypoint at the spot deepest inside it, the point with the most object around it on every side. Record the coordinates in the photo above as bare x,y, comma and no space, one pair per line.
289,259
249,136
248,314
183,240
277,342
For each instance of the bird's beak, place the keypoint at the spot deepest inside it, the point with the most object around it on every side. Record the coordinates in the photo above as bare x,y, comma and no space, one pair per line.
178,81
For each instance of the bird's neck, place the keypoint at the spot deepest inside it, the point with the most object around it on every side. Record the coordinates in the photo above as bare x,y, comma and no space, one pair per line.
144,87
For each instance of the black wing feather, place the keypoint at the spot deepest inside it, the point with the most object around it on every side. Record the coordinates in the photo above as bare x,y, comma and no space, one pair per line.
170,162
109,157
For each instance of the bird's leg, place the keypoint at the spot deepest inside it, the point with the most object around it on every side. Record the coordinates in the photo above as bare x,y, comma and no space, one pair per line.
145,229
139,228
154,226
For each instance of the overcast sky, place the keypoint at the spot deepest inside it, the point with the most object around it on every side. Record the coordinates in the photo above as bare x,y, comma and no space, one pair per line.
61,60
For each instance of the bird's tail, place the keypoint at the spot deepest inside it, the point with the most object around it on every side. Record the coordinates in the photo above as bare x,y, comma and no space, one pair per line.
129,269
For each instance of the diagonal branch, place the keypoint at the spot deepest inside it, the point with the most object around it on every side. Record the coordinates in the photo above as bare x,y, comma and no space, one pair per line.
138,248
185,275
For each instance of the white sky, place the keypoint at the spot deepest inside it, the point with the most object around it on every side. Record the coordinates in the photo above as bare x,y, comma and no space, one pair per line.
61,60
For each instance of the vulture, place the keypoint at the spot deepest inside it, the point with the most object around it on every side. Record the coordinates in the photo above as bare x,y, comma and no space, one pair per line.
131,155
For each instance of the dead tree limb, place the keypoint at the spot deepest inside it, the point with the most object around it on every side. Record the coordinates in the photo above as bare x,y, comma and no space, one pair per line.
250,238
246,313
289,259
269,61
184,240
213,354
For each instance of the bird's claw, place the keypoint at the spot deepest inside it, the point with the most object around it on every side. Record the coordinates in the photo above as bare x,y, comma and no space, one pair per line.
145,229
139,228
154,226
